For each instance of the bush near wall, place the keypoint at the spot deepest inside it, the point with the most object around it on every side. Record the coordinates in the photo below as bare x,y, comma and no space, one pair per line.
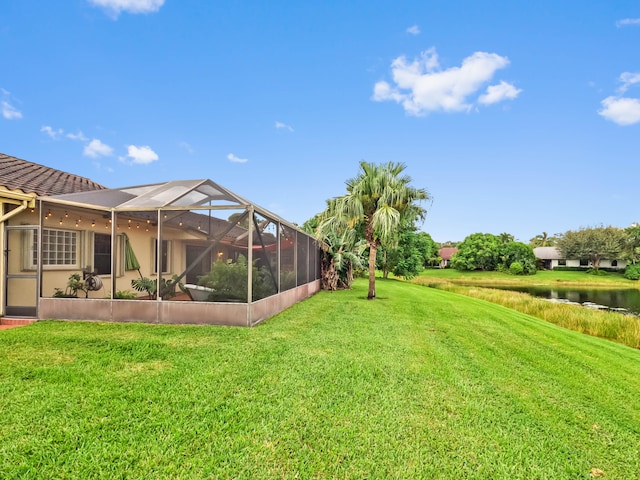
584,269
632,272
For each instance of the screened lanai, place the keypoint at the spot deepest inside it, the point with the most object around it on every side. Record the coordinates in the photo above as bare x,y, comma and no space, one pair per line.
177,252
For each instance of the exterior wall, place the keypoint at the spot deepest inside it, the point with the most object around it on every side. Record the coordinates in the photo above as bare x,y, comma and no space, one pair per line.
3,275
141,240
543,253
603,264
270,306
143,245
74,309
621,264
57,277
204,313
167,312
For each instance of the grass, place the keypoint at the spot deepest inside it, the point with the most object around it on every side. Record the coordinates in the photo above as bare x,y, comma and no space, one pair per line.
613,326
542,277
420,383
610,325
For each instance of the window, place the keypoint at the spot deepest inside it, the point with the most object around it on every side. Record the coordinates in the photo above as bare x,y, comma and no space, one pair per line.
166,256
102,254
614,263
562,262
59,249
584,262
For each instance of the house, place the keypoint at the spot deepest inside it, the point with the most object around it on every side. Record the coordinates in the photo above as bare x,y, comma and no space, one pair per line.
191,251
445,255
551,258
21,184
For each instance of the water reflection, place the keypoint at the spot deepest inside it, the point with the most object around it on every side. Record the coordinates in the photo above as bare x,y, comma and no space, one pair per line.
627,299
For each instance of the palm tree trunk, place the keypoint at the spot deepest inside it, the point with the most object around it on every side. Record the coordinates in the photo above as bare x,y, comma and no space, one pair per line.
385,269
349,275
372,270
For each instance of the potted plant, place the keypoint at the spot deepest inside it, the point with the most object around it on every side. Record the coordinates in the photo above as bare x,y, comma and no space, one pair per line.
167,287
74,284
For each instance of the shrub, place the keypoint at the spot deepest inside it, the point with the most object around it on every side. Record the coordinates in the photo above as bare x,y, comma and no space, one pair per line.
149,285
600,272
228,280
478,251
145,284
124,295
584,269
516,268
517,252
632,272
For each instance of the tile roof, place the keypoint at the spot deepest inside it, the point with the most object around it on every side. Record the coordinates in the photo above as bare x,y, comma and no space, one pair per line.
30,177
547,253
447,252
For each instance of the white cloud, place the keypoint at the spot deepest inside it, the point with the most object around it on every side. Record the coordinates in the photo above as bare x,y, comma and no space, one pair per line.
141,155
498,93
115,7
51,132
414,30
627,21
9,111
77,136
620,110
95,148
235,159
421,86
628,79
283,126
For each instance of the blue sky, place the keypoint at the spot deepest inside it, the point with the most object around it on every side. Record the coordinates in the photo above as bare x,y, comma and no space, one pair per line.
517,117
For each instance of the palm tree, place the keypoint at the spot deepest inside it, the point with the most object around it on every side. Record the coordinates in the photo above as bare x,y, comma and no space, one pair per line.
543,240
377,201
506,237
342,252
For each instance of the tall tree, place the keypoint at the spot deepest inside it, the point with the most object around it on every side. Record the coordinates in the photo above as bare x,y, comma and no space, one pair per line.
448,243
518,252
415,250
506,237
594,244
478,251
378,200
632,247
543,240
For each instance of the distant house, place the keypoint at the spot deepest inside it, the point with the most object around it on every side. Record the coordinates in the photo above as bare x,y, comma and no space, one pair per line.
551,258
445,254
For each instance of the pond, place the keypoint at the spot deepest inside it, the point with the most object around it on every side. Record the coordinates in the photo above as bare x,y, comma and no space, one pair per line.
619,299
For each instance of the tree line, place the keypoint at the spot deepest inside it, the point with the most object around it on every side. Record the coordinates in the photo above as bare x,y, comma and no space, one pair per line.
375,226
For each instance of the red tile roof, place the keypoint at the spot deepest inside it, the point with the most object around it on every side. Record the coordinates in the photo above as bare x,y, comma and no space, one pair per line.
30,177
447,252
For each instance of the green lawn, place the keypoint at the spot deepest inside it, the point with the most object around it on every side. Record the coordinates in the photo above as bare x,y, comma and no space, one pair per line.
542,277
420,383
